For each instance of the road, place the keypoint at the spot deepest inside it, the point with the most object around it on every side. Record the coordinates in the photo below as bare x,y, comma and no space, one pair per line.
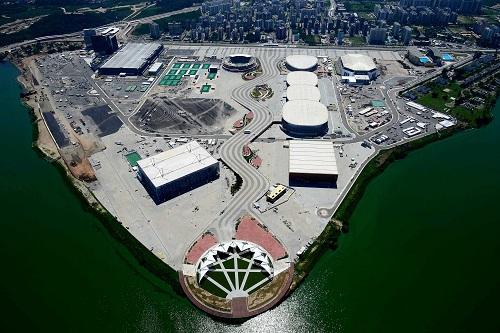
231,152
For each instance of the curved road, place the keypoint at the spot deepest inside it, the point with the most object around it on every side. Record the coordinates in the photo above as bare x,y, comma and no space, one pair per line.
231,152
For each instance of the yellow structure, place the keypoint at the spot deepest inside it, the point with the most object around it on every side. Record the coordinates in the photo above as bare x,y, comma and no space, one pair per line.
275,193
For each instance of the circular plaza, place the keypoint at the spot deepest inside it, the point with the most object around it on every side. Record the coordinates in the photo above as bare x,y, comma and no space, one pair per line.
238,278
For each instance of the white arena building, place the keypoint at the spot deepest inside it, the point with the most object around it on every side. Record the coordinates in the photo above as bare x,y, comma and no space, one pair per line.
177,171
303,92
301,62
302,78
358,64
305,118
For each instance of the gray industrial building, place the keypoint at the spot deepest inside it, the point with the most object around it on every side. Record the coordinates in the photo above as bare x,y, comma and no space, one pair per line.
132,59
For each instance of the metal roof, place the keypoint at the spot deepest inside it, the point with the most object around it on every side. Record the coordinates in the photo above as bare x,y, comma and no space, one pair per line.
312,157
305,113
132,55
302,77
176,163
358,62
303,92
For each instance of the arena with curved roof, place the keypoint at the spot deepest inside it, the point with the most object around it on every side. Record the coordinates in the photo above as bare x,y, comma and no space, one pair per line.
303,92
358,64
302,78
305,118
239,63
300,62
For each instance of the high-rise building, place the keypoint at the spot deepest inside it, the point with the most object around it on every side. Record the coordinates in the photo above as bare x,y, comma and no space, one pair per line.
104,43
154,30
406,35
340,37
396,28
377,36
87,37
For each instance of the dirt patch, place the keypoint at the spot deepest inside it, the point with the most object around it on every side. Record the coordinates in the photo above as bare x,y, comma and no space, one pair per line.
187,116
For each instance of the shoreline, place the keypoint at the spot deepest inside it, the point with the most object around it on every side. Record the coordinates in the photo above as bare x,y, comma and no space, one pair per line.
328,239
89,202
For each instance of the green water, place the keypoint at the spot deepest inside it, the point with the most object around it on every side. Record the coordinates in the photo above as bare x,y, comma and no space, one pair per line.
421,255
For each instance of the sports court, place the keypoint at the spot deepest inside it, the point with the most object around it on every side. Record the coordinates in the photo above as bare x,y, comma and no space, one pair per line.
132,158
205,88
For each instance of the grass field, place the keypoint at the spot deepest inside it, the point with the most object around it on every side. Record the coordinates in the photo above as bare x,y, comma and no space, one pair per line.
437,98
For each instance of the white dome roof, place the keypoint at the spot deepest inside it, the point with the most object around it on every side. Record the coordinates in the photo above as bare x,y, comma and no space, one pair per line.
301,77
358,62
303,92
305,113
301,62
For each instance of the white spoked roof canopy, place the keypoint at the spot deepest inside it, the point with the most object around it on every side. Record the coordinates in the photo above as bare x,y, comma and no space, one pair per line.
234,268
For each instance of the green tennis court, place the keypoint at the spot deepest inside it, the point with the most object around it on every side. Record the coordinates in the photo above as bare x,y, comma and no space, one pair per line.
206,66
205,88
211,76
178,77
196,66
182,72
186,65
172,71
177,65
193,72
132,158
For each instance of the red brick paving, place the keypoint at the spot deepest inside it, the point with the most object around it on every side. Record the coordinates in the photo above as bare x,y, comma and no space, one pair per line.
256,161
198,248
249,229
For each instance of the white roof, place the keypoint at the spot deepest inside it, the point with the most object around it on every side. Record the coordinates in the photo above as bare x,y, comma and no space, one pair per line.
312,157
301,77
173,164
302,91
240,55
132,55
301,62
305,113
416,106
358,62
155,67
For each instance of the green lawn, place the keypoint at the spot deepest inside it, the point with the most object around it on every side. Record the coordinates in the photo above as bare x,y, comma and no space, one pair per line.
437,98
357,40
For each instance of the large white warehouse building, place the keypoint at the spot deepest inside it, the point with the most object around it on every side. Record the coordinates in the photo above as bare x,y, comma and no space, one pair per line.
305,118
177,171
358,64
302,78
301,62
312,162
